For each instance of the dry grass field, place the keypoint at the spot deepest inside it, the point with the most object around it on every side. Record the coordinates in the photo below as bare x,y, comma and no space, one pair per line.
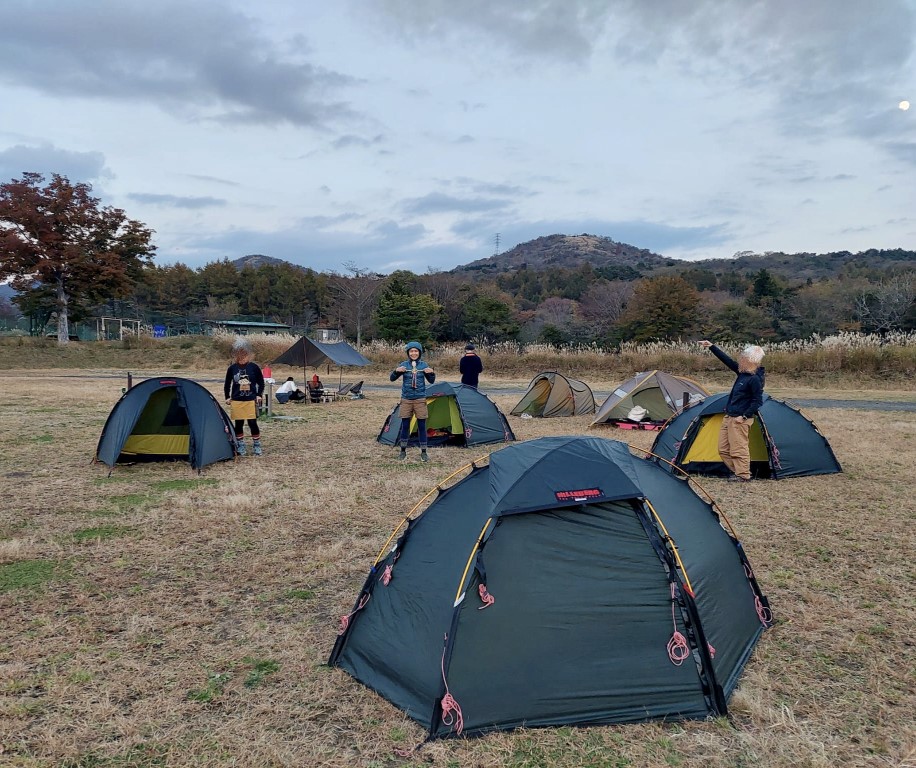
160,617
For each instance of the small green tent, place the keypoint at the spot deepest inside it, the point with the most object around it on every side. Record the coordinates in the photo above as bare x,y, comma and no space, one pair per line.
458,415
660,394
553,394
167,419
566,582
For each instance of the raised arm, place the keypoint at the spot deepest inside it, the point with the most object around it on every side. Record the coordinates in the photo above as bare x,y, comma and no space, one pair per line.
726,360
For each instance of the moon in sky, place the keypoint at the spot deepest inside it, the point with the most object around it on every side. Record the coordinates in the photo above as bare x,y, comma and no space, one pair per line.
904,105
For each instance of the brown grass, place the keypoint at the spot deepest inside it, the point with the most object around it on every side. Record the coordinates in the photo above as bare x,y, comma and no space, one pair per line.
180,619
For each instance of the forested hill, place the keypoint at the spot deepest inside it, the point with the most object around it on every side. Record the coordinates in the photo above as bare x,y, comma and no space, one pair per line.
571,252
620,261
256,261
814,266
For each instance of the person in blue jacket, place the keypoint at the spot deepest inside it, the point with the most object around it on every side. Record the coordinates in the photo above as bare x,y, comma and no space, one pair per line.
414,374
741,408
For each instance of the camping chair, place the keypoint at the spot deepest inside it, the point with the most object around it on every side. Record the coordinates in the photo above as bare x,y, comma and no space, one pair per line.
315,393
344,390
356,391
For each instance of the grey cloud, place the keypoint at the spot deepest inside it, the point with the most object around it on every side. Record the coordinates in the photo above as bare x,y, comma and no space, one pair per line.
349,140
387,246
436,202
177,201
563,29
905,151
824,64
214,180
48,159
197,59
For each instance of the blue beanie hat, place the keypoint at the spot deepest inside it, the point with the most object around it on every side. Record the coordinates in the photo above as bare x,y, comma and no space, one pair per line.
414,345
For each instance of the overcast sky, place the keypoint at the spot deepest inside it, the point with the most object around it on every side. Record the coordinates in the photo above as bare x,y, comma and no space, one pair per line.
408,133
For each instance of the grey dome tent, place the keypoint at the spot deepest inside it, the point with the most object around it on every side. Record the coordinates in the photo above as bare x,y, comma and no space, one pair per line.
566,582
783,441
458,415
167,419
661,394
553,394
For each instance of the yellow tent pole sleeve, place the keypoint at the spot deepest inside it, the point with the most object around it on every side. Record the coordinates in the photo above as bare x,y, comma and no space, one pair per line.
419,504
710,500
474,551
677,555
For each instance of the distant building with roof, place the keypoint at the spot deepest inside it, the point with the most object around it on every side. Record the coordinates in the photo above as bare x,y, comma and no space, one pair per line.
244,327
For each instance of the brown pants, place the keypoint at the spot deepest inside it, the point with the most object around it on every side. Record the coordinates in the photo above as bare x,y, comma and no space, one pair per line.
734,445
416,408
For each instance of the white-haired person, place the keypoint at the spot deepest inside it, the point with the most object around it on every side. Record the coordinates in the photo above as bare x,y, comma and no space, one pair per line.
243,388
741,408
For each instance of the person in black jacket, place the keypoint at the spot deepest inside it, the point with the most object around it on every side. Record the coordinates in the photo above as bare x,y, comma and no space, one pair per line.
470,367
243,388
743,403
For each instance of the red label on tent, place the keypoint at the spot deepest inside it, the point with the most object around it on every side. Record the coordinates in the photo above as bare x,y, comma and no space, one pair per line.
583,494
167,381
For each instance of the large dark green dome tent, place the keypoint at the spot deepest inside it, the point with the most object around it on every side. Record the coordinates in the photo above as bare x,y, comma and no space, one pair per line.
565,582
783,441
458,415
167,419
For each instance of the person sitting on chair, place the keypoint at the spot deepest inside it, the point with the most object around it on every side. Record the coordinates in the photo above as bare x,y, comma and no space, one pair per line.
288,387
316,389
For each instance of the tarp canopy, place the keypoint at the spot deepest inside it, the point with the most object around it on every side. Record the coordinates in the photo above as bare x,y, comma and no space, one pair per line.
311,354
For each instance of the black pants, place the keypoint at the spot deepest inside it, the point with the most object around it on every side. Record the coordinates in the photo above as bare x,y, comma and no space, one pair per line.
252,427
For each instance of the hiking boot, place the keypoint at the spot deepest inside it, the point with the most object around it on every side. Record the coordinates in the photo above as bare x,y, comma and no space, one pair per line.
402,456
242,451
256,448
739,479
424,456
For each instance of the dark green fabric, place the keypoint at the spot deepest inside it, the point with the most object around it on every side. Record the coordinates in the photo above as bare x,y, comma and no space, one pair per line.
530,475
579,628
582,615
395,645
724,597
800,449
169,406
481,419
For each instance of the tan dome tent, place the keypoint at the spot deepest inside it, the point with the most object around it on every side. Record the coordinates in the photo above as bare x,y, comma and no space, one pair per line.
552,394
661,395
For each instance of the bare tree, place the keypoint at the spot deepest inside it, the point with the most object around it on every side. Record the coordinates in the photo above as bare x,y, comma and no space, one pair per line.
355,294
603,304
883,307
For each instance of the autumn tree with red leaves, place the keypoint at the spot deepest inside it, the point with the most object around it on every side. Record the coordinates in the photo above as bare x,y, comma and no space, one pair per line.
56,238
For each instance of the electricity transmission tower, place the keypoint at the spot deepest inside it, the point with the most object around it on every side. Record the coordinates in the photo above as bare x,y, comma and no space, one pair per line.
496,240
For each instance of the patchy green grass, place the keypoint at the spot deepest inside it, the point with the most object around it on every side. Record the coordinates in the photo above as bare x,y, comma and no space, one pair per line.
102,533
261,668
26,574
183,485
299,594
216,683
